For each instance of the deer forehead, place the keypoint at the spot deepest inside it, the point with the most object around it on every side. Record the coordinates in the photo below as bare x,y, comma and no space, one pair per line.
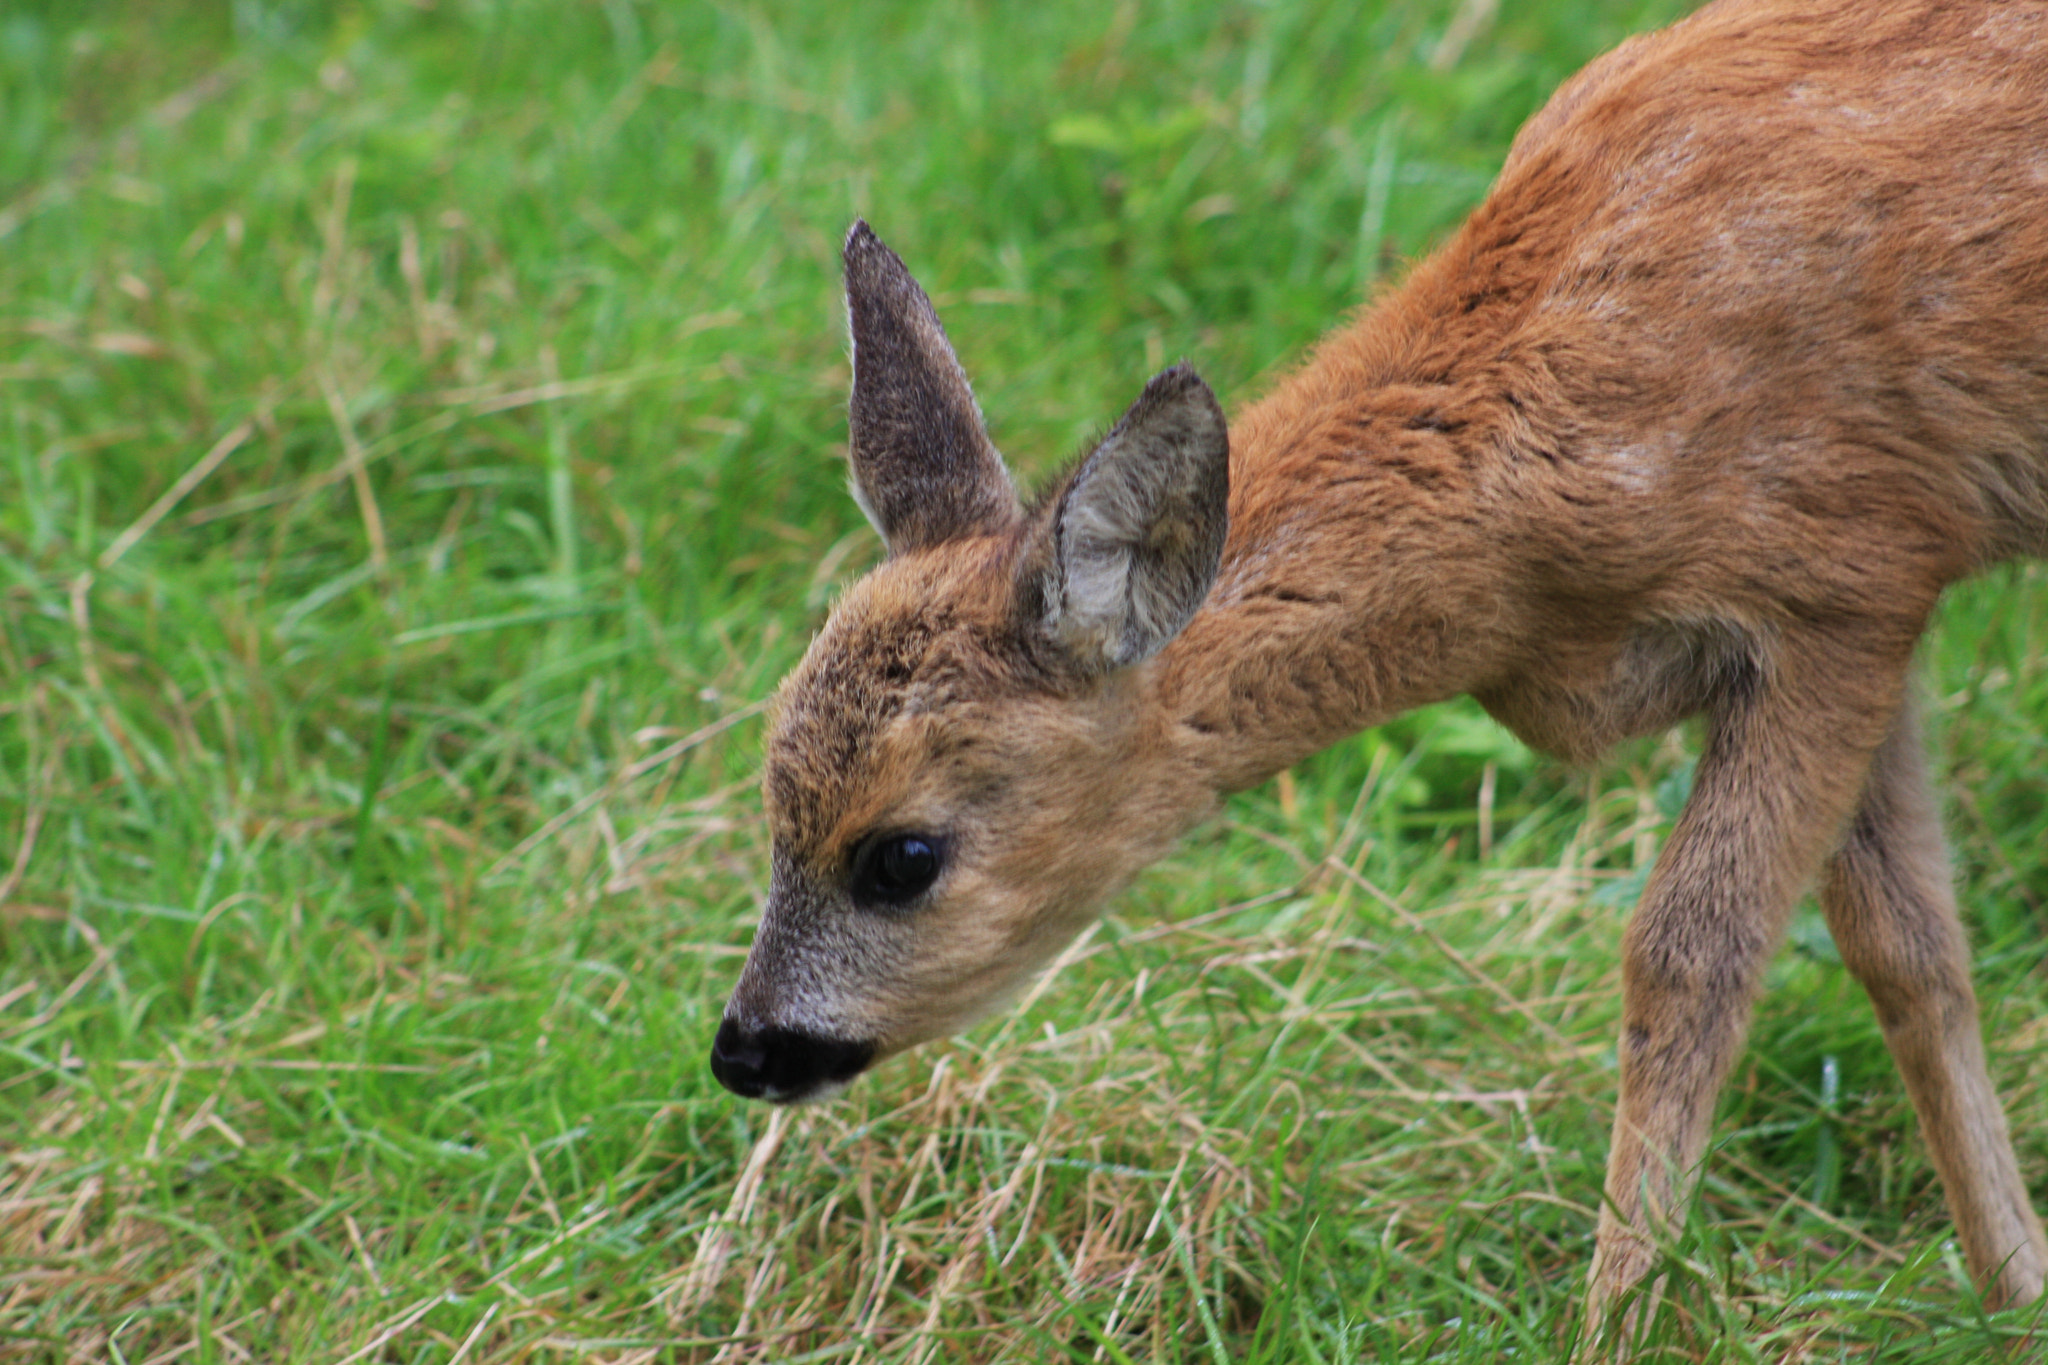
906,681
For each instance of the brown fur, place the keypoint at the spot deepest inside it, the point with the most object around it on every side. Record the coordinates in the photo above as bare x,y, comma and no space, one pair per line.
1744,359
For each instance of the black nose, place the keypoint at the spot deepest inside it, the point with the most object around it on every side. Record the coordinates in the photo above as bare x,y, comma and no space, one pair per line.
782,1065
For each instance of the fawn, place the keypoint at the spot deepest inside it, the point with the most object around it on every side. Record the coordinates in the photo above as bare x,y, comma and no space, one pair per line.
1742,360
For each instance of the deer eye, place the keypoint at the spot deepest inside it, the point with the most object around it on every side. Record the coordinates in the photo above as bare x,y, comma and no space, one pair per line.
896,868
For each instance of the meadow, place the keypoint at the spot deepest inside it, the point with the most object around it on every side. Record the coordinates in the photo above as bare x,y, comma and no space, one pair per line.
421,439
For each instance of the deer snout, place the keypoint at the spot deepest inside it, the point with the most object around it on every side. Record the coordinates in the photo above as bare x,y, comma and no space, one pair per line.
783,1065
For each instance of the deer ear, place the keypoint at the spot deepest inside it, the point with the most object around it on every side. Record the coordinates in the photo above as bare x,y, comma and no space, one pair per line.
924,469
1137,535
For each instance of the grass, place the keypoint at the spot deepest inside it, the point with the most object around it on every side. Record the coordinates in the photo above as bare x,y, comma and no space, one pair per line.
419,424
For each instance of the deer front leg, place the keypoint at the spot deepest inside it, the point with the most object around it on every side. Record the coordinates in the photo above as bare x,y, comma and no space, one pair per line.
1786,751
1892,912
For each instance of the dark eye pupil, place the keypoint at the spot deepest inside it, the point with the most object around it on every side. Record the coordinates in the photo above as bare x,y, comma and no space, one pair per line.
907,864
898,869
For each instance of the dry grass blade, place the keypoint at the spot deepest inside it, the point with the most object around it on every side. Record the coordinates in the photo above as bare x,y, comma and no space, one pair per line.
715,1245
355,466
637,769
1457,958
168,501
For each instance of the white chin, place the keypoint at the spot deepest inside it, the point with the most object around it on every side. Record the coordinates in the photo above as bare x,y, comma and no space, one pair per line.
816,1094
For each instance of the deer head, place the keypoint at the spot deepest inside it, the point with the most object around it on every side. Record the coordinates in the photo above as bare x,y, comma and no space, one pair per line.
970,759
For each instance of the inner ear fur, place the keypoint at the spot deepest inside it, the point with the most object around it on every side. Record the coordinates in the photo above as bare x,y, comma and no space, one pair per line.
1132,542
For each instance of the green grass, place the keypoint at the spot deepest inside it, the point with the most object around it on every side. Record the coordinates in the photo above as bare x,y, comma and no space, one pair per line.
418,440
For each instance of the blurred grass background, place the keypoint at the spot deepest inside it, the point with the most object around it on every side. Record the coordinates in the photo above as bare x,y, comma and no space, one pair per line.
420,425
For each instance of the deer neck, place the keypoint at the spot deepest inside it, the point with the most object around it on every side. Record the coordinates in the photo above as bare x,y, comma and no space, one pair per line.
1358,581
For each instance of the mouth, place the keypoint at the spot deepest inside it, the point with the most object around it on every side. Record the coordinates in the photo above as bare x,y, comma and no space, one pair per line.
785,1066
